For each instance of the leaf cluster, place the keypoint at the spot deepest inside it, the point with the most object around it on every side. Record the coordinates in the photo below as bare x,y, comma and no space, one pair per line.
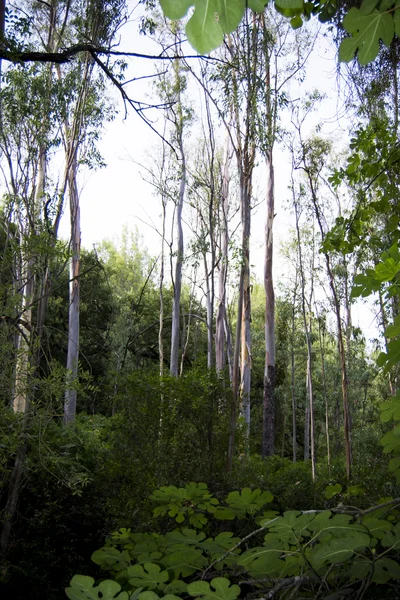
318,551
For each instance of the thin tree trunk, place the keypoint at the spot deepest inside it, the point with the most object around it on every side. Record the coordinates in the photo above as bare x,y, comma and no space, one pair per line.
177,284
342,355
269,369
161,293
186,343
220,337
245,360
309,424
294,404
74,294
325,395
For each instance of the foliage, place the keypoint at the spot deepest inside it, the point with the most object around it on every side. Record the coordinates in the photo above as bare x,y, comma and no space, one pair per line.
374,21
344,551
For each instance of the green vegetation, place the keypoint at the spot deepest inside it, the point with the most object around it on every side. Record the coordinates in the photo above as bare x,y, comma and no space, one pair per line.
169,426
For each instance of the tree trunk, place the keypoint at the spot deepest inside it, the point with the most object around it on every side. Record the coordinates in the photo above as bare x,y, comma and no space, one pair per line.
177,283
309,423
269,369
245,359
74,293
336,304
325,395
220,337
294,406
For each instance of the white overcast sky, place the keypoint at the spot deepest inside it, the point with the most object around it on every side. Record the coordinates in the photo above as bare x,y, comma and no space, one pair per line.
117,195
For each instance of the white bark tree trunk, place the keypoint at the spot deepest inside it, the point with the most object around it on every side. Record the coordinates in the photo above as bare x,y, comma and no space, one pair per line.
268,443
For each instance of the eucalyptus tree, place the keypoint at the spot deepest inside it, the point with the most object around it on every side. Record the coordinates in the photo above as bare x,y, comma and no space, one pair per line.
306,309
171,88
312,156
62,109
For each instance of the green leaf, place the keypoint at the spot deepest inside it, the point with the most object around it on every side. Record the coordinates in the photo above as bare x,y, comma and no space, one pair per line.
367,30
148,596
223,589
264,561
203,29
391,441
364,285
82,588
257,5
385,569
175,9
110,558
337,549
185,562
360,567
188,537
376,527
396,18
390,358
296,22
393,330
230,13
332,490
245,502
367,6
392,538
291,4
154,596
387,270
149,576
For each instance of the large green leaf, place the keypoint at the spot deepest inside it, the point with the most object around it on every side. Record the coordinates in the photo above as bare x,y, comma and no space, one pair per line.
188,537
332,490
390,358
217,547
296,5
154,596
366,30
82,588
243,503
292,526
110,558
391,409
393,330
175,9
263,562
219,589
230,13
185,561
335,550
376,527
203,29
257,5
385,569
392,538
391,441
148,576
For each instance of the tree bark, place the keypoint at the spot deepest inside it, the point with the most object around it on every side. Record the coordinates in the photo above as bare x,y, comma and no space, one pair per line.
177,283
220,337
74,294
268,443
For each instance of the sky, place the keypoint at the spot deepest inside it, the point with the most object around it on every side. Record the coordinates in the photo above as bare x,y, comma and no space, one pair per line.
117,196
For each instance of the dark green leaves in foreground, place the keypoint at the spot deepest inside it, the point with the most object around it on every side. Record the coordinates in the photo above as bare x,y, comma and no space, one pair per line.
340,549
